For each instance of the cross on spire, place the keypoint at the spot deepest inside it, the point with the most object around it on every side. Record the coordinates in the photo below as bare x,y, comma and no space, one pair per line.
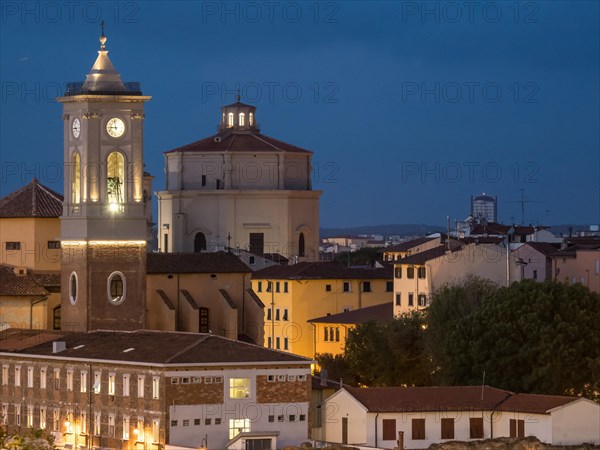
238,97
102,25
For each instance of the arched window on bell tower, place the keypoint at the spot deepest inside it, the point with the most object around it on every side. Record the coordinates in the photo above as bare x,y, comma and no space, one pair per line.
251,119
242,120
75,180
199,242
115,178
230,120
301,250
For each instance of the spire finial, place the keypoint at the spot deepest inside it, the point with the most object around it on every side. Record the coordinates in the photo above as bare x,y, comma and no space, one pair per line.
102,37
238,97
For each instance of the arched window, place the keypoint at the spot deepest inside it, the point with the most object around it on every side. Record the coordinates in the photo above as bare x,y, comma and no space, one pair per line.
301,251
199,242
242,120
251,119
230,120
223,120
56,325
203,325
116,288
75,178
115,178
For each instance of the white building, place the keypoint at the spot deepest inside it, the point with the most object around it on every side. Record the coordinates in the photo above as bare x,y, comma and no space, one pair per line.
240,189
417,417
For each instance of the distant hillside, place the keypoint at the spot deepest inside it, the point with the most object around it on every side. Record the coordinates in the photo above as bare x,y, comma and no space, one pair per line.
385,230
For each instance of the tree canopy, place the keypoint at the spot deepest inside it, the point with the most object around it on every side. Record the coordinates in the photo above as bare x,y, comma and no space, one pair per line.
529,337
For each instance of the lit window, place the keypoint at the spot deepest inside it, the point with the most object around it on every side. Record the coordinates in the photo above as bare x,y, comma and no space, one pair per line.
140,386
139,430
115,179
17,376
230,120
57,379
83,381
155,430
97,378
69,380
126,385
111,384
43,378
111,424
30,377
237,426
242,120
83,426
126,428
155,387
18,415
75,179
29,416
116,287
251,119
42,416
239,387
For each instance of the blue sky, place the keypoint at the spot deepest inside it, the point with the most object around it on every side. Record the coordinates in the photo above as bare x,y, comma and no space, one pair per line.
410,107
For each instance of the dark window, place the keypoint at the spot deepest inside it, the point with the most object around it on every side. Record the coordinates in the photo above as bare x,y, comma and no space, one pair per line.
389,286
292,418
325,334
421,272
398,299
279,418
447,428
269,286
302,417
535,274
285,286
56,318
285,314
366,286
196,421
398,272
259,286
199,242
203,321
410,272
269,314
207,421
411,298
389,429
301,245
277,314
476,428
328,287
166,243
277,343
217,421
517,428
54,244
257,243
346,286
277,286
13,246
418,429
252,260
337,335
422,300
203,180
271,418
116,287
285,343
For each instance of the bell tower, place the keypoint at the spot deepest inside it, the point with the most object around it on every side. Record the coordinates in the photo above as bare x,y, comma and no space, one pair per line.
103,225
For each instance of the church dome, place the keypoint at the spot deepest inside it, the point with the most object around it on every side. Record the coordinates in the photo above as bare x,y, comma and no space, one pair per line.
238,116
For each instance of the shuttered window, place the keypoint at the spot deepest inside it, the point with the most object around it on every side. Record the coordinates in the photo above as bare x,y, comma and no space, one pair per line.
476,427
389,429
517,428
447,428
418,429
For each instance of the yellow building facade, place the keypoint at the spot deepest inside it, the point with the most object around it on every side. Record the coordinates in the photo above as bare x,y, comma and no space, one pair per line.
294,294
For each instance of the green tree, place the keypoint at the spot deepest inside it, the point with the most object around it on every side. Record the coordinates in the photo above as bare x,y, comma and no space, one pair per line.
336,368
361,257
450,305
32,439
530,337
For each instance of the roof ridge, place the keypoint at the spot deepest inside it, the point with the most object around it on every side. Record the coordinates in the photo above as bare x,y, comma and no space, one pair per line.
189,347
267,142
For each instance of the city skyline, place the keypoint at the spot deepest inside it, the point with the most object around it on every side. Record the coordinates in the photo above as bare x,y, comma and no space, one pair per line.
512,99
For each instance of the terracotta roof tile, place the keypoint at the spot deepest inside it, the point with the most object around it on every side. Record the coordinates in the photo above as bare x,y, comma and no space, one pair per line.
545,248
406,246
32,200
323,271
534,403
217,262
240,142
12,284
427,255
379,313
154,347
430,398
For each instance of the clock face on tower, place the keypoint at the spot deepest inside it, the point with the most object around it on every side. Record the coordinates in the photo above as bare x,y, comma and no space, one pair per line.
76,128
115,127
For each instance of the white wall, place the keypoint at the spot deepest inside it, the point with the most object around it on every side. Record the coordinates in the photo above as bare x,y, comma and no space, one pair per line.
538,425
576,423
342,405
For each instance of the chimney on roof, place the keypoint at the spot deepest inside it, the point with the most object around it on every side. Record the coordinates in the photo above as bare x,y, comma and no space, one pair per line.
323,377
20,271
58,346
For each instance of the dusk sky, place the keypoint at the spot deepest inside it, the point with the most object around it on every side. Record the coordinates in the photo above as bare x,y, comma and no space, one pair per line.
409,107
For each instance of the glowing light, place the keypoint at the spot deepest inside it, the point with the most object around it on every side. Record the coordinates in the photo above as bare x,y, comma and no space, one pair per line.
74,242
114,207
136,431
136,243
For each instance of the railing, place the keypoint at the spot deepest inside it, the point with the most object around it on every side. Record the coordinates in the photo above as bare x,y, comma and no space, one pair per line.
130,88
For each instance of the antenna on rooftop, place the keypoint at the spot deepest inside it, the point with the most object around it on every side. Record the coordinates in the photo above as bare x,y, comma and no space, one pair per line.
522,201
